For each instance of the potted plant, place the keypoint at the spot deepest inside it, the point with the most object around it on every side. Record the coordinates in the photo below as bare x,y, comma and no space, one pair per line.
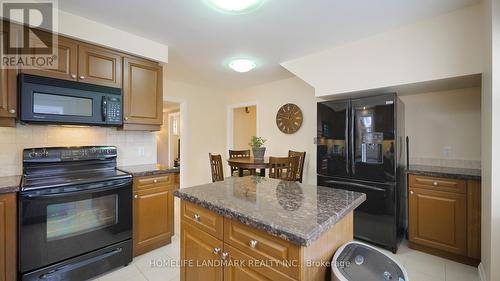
257,147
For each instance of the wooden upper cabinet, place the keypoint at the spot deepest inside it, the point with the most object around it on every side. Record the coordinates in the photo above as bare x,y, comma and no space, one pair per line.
142,90
99,66
8,237
438,219
8,94
67,60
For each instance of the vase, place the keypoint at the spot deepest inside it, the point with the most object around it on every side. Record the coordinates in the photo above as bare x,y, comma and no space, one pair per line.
258,153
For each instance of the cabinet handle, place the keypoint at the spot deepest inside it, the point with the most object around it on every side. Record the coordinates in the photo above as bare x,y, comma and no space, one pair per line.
197,217
136,196
224,256
216,251
435,183
155,181
411,192
73,76
82,77
126,118
12,111
252,244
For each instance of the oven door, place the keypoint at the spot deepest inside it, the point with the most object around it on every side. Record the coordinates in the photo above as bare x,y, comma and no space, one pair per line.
59,223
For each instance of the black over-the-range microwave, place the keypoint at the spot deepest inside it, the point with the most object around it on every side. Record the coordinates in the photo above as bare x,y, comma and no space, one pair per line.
55,101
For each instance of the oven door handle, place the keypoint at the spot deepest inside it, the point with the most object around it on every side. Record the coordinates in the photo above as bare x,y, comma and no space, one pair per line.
356,184
38,194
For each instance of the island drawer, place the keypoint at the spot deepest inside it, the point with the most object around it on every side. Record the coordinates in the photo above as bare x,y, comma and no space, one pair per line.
153,181
438,184
202,219
282,255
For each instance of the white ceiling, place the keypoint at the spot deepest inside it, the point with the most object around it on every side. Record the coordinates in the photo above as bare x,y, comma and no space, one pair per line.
201,40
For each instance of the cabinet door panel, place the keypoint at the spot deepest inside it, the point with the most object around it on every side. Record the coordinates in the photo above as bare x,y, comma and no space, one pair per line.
99,66
8,237
153,218
438,219
67,57
197,247
8,94
142,87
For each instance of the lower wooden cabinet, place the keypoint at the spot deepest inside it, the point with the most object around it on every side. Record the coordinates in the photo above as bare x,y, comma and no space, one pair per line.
8,237
445,217
153,212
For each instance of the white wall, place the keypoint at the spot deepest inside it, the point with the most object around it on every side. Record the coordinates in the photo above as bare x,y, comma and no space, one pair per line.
14,140
270,97
244,126
446,46
437,120
490,215
202,128
87,30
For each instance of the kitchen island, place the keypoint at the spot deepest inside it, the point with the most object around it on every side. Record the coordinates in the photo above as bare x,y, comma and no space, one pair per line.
255,228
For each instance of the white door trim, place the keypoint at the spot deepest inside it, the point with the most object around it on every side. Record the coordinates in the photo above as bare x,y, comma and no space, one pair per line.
230,115
171,116
184,135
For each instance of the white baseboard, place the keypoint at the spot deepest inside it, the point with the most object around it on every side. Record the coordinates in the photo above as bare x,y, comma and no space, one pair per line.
482,275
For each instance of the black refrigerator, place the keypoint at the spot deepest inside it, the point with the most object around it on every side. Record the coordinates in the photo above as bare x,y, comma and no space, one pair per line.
360,147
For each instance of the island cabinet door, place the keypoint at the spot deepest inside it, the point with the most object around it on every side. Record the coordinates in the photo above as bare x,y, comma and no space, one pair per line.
241,267
200,255
153,216
438,219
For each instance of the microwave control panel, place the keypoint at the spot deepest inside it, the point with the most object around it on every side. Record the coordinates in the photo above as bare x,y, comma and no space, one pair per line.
114,110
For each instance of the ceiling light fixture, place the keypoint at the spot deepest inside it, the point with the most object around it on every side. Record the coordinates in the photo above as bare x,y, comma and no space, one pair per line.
235,6
242,65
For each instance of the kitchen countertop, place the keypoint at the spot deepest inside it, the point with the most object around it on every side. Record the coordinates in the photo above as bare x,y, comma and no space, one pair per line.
148,170
295,212
10,184
446,172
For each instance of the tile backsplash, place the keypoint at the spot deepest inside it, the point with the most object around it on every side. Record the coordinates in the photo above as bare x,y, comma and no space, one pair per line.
443,162
134,148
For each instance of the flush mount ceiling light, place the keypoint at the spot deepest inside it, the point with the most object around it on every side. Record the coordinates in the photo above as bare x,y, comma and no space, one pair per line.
242,65
235,6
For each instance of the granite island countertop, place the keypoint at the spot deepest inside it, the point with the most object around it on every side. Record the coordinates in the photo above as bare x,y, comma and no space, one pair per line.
445,172
10,184
148,170
295,212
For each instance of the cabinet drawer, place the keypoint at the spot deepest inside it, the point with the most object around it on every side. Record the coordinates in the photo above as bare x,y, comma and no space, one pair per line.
203,219
440,184
153,181
244,267
263,247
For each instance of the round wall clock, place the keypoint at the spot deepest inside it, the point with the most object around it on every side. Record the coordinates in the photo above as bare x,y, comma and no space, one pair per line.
289,118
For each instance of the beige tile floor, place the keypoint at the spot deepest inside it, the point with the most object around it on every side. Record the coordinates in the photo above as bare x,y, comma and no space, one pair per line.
420,266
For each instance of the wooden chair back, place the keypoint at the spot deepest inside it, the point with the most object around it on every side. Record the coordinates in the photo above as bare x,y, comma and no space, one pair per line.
302,158
238,154
284,168
216,167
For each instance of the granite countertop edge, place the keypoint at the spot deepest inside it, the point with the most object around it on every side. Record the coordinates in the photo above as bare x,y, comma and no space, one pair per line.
276,231
148,172
10,184
425,171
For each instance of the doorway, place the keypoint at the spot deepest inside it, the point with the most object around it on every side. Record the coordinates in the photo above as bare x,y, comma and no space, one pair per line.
169,137
242,124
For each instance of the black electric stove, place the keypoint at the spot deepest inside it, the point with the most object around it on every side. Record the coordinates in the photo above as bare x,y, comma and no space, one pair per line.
75,213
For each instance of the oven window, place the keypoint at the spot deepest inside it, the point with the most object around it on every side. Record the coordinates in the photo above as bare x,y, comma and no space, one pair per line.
61,105
74,218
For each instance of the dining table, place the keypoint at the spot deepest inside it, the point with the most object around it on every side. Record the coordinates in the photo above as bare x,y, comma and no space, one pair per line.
249,163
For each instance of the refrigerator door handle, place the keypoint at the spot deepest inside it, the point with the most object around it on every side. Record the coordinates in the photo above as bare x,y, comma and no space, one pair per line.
352,146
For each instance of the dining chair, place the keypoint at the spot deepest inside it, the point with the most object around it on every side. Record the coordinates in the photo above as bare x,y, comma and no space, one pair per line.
216,167
284,168
239,154
302,158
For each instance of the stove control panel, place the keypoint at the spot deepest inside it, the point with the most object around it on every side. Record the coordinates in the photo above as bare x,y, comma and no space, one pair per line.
65,154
